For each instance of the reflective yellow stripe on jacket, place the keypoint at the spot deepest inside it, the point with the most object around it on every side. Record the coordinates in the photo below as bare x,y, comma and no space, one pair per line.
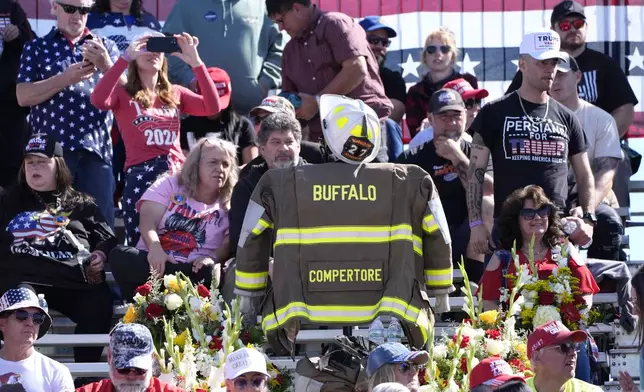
348,235
346,314
438,278
251,281
429,224
261,226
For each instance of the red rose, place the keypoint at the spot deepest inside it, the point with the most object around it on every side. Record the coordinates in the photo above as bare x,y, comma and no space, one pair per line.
464,364
493,334
467,321
570,313
517,364
144,290
279,379
216,343
203,291
153,311
546,298
465,340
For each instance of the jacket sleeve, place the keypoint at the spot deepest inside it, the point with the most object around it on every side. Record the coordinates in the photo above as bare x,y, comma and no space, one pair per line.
437,248
255,241
179,72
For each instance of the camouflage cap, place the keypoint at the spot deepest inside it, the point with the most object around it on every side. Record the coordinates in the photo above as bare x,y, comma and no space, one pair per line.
274,104
131,346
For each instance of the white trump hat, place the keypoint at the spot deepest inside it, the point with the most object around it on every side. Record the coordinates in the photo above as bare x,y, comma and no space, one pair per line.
245,360
542,44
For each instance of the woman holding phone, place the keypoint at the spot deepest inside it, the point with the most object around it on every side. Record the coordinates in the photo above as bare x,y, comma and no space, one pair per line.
148,109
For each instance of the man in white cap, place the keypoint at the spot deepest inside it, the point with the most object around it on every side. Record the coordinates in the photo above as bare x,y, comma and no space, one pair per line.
23,320
245,370
531,138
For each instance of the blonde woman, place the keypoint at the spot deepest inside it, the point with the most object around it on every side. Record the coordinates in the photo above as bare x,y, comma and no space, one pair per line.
439,57
184,220
393,362
148,111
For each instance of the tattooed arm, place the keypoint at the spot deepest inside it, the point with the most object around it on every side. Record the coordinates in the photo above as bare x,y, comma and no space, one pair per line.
585,181
605,169
462,165
476,176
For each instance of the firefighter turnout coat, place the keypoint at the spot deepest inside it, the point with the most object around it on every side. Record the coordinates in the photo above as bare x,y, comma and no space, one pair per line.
347,247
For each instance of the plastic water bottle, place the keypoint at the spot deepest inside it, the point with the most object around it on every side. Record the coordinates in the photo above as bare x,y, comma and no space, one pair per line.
569,227
394,331
377,332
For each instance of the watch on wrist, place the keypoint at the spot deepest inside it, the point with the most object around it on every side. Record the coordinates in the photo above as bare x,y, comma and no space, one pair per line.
591,217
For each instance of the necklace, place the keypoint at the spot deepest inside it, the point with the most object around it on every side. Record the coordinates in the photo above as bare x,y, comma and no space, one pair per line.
545,115
60,219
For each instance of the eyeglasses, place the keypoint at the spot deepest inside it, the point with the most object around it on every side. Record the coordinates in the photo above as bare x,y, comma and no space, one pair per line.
131,370
565,348
431,49
406,367
375,40
470,103
257,382
530,213
71,9
280,20
37,317
565,25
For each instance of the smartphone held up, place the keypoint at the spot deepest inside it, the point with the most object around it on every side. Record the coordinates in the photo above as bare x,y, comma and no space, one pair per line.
163,45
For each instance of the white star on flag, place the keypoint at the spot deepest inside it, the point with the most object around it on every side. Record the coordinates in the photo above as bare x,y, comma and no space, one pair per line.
635,60
467,65
410,66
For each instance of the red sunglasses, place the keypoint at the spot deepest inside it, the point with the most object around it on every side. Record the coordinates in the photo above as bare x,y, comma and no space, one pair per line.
565,25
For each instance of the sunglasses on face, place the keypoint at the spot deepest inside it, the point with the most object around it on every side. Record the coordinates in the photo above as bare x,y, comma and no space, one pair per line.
530,213
565,348
471,103
431,49
258,119
375,40
37,317
71,9
131,370
256,382
406,367
565,25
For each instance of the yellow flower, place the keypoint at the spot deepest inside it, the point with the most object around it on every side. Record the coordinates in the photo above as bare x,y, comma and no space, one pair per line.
489,317
130,315
180,340
521,349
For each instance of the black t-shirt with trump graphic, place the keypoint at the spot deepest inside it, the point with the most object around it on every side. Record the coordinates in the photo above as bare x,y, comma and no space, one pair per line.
450,188
530,147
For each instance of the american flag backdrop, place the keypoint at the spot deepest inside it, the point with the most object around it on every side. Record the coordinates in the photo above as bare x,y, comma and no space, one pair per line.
488,31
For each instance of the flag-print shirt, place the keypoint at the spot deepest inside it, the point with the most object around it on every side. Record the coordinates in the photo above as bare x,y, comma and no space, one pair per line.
35,248
122,29
151,132
68,116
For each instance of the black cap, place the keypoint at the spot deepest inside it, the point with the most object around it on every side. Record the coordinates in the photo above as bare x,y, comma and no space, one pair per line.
566,8
568,64
42,145
446,99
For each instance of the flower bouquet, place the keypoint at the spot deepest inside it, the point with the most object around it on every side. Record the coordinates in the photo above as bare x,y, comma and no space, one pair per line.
484,334
543,300
194,330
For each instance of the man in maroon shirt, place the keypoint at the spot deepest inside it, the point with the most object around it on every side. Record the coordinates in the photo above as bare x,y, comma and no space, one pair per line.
328,54
130,356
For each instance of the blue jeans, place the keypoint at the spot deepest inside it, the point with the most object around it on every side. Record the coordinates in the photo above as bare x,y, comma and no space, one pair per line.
92,175
394,139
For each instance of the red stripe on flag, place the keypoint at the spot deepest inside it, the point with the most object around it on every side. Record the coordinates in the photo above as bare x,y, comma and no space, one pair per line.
637,129
40,9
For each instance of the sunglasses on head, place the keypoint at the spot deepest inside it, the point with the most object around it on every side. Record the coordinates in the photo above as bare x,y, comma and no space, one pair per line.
530,213
257,382
565,348
131,370
71,9
471,103
37,317
406,367
431,49
375,40
565,25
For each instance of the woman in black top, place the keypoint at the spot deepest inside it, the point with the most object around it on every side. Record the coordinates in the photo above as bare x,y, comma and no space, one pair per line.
439,57
55,239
